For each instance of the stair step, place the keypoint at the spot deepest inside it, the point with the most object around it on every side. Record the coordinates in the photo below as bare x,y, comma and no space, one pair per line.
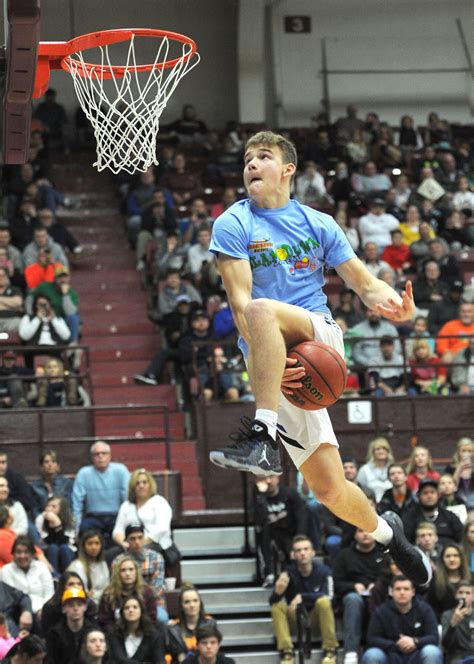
234,600
247,632
138,420
219,571
135,395
273,657
193,503
148,344
106,328
103,354
212,541
109,306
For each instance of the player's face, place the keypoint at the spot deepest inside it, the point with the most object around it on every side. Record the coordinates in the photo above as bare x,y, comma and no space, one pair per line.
264,175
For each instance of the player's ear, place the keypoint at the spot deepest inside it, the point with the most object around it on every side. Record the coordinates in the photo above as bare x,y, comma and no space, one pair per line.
289,169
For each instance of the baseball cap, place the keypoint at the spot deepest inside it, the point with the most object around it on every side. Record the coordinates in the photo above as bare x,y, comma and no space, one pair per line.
134,528
73,593
200,313
427,481
61,269
377,201
457,286
183,298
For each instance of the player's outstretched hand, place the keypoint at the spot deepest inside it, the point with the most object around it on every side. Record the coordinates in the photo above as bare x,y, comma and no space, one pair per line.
292,376
399,311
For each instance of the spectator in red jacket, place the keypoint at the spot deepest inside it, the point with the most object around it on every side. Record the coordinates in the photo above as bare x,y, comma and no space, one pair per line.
397,254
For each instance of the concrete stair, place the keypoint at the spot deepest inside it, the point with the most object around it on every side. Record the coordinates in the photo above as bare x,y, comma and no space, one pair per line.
226,582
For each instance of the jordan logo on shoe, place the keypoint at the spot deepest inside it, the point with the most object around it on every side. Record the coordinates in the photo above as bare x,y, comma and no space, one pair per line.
263,457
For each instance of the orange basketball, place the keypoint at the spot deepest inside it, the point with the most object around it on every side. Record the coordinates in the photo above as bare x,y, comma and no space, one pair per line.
325,377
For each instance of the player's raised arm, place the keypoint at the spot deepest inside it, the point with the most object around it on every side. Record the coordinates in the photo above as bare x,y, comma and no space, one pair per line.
237,277
375,293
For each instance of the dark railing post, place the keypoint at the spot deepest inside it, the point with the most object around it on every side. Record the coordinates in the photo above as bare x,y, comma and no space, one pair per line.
246,549
166,420
40,432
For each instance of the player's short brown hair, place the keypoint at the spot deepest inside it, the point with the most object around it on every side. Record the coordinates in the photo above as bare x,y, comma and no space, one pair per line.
269,138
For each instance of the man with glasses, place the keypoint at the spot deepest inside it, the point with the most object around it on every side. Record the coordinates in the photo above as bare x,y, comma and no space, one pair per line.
98,492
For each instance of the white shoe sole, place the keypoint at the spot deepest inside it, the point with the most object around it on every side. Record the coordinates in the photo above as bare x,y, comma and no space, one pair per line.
218,459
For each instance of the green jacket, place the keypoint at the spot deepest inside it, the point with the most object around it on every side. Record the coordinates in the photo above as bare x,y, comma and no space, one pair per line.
52,291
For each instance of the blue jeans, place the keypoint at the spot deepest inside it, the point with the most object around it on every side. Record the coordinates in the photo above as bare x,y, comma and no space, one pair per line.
354,609
103,522
60,556
427,655
74,323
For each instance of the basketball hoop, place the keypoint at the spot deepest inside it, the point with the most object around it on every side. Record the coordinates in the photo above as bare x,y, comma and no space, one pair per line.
123,102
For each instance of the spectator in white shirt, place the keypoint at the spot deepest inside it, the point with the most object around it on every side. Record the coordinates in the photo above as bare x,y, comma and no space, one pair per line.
145,506
310,187
42,328
199,253
16,509
372,260
377,225
29,575
463,199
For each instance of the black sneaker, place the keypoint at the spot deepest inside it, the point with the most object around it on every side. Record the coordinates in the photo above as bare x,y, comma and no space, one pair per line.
411,561
252,450
146,379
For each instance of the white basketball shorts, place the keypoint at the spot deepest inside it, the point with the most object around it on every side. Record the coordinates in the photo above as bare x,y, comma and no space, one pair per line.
303,431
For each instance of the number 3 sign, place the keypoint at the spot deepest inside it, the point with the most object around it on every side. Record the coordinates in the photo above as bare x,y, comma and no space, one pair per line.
298,24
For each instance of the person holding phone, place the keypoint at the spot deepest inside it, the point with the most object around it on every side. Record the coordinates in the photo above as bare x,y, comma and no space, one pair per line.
42,328
458,626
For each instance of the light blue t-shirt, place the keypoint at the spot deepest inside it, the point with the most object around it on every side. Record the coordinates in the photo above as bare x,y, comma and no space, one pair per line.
287,247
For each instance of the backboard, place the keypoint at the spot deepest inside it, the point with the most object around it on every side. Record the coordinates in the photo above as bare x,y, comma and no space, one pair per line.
17,75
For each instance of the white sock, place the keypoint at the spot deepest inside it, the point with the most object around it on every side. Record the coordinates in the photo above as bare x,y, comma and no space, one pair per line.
383,533
268,417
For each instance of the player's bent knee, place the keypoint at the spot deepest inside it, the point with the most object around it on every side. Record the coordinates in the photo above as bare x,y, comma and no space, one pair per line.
257,309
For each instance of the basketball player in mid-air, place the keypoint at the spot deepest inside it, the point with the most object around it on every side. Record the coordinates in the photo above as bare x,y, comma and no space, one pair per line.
271,253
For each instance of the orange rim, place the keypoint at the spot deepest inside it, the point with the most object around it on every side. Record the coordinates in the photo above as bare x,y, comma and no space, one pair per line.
58,55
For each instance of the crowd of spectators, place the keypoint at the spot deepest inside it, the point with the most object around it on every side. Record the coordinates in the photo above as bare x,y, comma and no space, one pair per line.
384,618
39,306
407,210
85,564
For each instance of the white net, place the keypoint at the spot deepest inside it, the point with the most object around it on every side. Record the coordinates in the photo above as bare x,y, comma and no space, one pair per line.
125,111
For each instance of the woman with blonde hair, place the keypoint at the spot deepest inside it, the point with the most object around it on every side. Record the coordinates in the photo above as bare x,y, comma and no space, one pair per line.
147,507
126,581
374,474
461,469
420,467
427,374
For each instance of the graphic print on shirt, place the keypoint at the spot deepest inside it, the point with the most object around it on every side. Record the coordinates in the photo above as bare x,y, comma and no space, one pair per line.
300,256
